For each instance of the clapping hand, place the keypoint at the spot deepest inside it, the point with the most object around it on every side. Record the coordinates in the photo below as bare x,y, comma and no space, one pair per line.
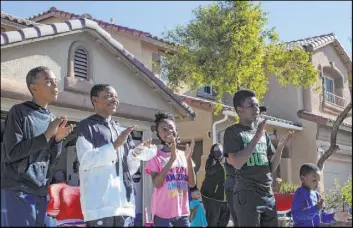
341,216
63,130
58,128
321,203
123,137
261,129
189,150
284,140
140,147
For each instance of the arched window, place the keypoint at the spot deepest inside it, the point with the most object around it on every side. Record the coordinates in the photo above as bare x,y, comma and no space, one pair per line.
81,63
79,69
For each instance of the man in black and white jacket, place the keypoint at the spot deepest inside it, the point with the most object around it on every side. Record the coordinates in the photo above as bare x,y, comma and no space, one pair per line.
107,158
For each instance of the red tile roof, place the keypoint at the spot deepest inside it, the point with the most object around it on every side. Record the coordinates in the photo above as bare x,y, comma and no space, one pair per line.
315,42
23,22
105,25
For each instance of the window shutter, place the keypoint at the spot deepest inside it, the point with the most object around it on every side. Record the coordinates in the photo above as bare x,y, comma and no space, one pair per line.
81,63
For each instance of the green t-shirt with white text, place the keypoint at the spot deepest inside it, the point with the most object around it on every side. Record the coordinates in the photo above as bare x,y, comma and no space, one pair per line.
256,172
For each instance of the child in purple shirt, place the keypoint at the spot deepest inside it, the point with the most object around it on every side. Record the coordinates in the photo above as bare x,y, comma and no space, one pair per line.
308,205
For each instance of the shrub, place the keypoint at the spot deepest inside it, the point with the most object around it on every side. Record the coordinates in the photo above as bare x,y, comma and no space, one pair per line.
339,196
287,188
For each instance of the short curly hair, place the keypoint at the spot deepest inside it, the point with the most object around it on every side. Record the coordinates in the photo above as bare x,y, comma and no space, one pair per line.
161,115
307,168
32,75
240,96
96,89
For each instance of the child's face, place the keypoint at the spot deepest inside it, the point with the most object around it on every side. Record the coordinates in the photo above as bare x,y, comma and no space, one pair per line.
195,195
167,130
250,110
311,180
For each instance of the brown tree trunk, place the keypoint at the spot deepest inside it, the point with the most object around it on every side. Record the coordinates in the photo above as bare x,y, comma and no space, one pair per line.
333,144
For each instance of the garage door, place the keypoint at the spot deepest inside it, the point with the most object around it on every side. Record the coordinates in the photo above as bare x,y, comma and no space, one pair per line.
336,170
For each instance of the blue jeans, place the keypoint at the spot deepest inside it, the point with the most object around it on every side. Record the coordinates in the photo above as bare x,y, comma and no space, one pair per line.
22,209
182,221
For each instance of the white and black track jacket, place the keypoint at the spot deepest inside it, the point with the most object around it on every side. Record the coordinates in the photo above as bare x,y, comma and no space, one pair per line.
105,173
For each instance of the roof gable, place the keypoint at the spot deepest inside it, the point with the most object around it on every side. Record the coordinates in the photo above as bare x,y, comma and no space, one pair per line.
313,43
37,33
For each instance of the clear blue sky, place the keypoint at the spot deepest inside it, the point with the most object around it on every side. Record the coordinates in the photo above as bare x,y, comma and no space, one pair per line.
293,19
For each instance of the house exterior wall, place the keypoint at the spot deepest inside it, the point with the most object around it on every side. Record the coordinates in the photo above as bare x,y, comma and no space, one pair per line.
198,130
304,149
283,101
141,50
17,61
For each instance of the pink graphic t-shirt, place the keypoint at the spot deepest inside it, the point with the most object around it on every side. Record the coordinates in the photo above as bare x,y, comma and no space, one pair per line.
173,194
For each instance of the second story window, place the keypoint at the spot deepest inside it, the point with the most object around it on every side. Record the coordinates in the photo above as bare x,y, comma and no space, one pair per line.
157,63
329,89
206,92
81,63
207,89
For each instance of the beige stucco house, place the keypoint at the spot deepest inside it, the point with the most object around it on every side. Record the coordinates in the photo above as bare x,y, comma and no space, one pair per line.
317,111
123,57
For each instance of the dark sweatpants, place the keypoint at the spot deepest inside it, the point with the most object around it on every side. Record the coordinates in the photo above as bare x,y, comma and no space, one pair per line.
182,221
217,213
229,195
114,221
21,209
255,210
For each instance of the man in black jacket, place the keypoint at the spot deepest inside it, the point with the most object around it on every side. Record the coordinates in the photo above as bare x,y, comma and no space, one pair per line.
32,143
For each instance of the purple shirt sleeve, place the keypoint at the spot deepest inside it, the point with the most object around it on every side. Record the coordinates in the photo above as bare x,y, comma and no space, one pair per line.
301,209
327,217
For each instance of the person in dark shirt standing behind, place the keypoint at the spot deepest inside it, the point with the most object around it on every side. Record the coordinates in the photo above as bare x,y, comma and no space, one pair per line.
250,152
31,147
229,186
213,191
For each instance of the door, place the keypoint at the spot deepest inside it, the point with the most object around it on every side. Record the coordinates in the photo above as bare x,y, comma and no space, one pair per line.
137,182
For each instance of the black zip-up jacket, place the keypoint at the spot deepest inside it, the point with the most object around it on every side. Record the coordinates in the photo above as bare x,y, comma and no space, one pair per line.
27,157
213,185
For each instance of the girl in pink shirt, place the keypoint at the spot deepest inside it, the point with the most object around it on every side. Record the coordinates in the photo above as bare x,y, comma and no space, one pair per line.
172,173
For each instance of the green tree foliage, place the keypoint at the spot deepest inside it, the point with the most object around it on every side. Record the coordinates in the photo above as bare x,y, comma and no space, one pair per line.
228,45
